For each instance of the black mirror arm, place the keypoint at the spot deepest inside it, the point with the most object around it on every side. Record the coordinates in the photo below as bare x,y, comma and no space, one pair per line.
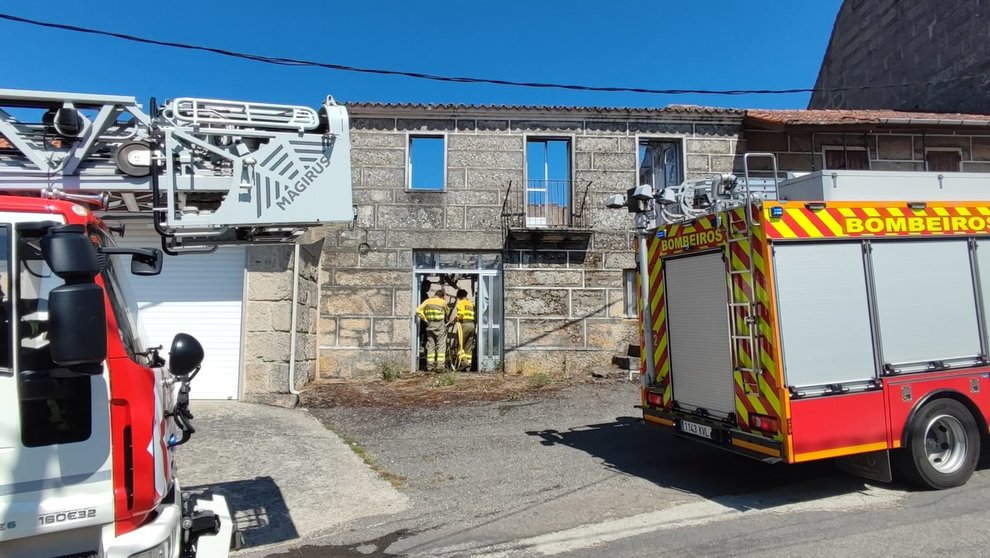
148,253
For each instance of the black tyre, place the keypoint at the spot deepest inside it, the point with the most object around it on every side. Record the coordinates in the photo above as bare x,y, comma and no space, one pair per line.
943,445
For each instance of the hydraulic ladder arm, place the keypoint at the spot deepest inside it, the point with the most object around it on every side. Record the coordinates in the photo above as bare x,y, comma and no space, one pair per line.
208,172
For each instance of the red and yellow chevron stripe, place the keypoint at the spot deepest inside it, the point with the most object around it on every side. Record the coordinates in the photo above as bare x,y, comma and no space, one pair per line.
798,220
756,385
658,321
757,392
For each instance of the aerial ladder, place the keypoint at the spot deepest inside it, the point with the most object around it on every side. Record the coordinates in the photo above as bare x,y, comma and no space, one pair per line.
209,172
90,418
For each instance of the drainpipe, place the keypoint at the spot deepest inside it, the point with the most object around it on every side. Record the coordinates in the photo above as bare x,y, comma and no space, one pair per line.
292,320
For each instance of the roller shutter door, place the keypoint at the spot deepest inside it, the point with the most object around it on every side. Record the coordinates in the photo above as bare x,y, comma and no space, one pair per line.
201,295
698,319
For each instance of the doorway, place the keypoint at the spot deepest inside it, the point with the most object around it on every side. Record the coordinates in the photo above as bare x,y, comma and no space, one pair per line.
478,274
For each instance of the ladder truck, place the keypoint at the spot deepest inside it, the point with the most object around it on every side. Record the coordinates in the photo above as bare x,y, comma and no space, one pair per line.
92,411
838,314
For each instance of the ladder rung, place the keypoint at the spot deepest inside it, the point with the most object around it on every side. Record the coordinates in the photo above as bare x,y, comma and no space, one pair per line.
740,303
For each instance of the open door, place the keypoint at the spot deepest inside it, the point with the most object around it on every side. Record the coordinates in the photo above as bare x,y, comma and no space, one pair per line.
481,276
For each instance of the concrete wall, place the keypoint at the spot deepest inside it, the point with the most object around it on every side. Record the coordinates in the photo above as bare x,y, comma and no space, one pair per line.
938,49
563,308
893,149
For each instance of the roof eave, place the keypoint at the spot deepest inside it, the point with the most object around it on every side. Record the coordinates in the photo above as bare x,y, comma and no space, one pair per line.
359,110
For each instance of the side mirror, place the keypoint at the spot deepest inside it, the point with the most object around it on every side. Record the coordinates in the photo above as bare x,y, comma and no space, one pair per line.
77,320
144,261
185,356
147,262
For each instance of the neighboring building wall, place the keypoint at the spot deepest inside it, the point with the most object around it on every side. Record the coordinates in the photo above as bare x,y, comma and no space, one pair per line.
563,309
268,319
892,149
939,50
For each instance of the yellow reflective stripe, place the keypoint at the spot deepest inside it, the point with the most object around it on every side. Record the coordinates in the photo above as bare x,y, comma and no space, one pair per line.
434,313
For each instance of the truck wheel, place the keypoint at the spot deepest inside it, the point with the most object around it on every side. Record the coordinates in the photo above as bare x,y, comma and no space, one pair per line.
943,445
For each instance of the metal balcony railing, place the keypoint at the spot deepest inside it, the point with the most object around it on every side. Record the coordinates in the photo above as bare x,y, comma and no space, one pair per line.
545,204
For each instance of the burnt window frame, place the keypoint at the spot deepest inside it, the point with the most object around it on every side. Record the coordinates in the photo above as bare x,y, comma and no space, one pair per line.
845,150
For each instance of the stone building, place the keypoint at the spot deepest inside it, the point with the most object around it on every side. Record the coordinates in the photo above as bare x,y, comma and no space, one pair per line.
509,202
879,140
935,53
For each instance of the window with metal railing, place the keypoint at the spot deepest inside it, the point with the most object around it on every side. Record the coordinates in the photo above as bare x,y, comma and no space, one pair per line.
548,182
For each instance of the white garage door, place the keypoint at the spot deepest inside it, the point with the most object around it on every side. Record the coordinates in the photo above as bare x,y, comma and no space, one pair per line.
201,295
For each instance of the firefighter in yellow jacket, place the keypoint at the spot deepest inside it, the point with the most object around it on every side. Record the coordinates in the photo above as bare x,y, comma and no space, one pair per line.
433,311
463,320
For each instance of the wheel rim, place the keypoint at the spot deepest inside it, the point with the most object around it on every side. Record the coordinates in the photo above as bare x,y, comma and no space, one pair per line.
946,445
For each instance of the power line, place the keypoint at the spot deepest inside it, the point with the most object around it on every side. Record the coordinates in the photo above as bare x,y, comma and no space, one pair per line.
285,61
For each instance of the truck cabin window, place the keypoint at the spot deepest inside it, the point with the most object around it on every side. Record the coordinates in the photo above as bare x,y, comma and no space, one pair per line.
55,406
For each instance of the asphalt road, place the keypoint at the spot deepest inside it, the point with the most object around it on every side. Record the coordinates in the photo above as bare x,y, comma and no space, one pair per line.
578,474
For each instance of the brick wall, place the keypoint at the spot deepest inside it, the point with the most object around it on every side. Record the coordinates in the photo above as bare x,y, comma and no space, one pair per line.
563,308
907,42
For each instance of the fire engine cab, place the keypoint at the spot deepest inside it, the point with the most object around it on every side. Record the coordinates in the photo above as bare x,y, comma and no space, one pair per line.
94,411
839,314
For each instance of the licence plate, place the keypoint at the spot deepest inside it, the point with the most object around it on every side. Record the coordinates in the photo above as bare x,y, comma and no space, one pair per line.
696,429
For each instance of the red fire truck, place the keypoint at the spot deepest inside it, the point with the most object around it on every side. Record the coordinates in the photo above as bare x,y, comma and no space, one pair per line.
840,314
93,411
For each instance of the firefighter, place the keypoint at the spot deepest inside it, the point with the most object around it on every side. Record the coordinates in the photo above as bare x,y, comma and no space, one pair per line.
433,311
463,320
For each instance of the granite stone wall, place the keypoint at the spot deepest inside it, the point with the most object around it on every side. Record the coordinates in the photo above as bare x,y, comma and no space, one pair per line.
563,299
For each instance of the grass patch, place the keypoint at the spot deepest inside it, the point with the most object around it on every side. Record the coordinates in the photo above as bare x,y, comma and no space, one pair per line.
445,379
390,369
540,379
390,373
369,459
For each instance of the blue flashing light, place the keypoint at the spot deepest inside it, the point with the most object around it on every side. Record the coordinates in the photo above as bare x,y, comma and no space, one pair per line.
661,233
171,441
776,211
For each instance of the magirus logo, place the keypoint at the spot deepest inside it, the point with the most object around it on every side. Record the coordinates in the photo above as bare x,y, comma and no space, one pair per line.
282,177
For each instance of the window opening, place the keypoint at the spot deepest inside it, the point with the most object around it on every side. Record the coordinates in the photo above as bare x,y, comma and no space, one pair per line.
548,182
64,415
426,163
660,163
846,158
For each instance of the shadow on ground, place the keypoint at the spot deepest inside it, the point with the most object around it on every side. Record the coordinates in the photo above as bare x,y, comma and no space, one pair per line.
258,509
627,445
375,548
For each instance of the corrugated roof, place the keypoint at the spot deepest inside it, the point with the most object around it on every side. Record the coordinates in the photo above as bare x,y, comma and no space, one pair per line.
838,117
461,107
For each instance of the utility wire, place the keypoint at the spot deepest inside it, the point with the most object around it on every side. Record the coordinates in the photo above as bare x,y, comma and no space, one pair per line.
284,61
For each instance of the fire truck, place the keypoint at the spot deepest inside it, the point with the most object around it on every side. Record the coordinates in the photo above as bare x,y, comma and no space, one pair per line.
93,411
838,314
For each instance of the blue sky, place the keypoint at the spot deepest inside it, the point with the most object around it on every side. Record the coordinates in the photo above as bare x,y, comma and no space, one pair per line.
719,44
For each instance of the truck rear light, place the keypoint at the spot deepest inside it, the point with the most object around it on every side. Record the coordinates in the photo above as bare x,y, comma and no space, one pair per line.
654,399
764,423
